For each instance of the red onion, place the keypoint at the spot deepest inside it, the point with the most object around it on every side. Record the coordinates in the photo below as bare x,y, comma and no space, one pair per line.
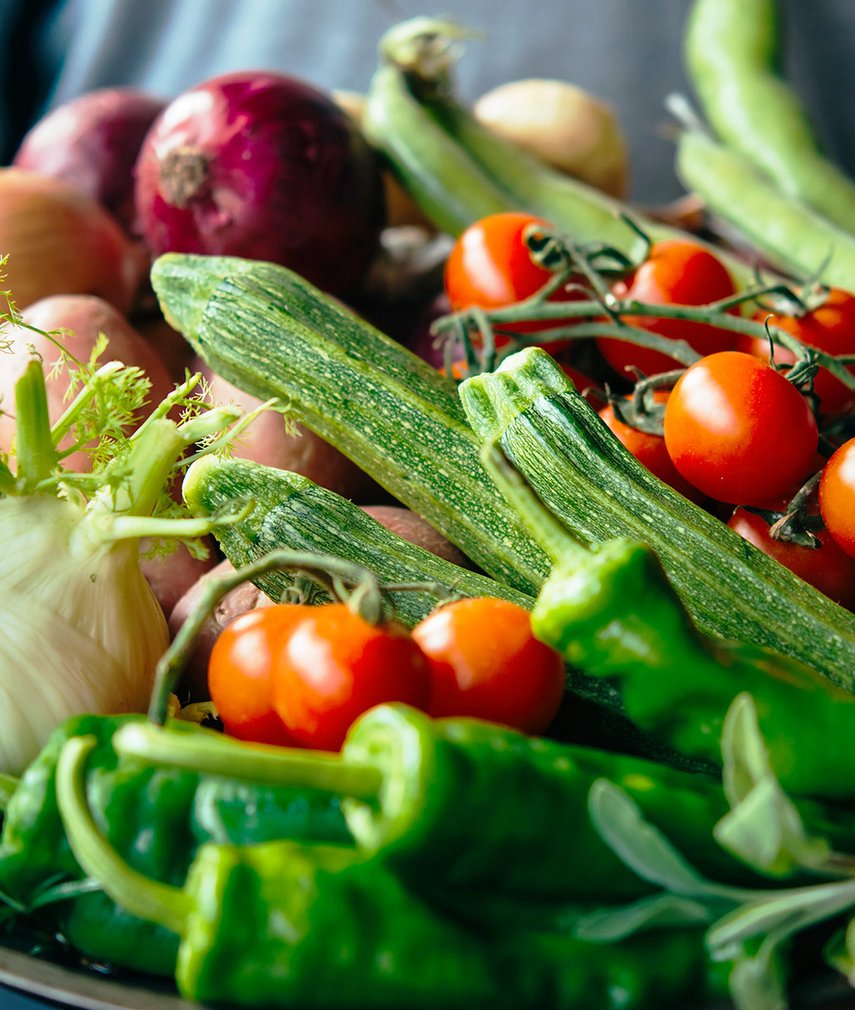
92,142
263,166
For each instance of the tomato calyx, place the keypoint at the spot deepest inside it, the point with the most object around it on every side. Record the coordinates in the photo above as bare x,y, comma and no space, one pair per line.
644,408
798,521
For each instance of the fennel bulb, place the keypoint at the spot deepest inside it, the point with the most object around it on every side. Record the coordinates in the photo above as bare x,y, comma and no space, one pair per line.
80,628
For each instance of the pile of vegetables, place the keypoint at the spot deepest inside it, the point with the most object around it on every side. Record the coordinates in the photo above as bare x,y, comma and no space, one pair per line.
526,650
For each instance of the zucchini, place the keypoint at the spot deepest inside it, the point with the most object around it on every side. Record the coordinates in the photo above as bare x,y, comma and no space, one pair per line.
273,334
599,491
290,511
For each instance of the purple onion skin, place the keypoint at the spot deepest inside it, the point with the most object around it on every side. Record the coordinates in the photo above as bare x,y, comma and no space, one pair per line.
262,166
92,143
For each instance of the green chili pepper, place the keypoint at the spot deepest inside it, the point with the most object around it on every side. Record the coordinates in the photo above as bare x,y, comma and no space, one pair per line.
462,805
156,818
292,925
612,612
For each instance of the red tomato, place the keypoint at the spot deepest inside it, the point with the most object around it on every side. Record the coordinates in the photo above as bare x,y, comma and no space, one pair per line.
829,328
490,267
837,496
485,662
240,668
827,567
650,450
738,431
333,666
675,273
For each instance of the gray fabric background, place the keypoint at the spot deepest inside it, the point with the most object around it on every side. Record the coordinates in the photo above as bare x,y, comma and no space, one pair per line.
626,51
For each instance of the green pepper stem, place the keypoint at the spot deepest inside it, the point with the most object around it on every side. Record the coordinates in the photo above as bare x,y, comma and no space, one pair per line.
172,662
214,754
148,899
548,531
8,785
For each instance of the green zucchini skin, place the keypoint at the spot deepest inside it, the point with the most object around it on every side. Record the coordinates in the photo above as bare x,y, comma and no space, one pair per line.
291,511
599,491
273,334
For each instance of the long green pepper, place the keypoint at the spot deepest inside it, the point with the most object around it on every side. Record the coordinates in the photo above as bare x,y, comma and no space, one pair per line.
288,925
156,818
460,805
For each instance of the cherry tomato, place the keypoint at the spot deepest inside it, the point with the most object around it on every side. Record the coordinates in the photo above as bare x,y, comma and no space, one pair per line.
837,496
490,267
650,450
738,430
676,272
333,666
240,672
485,662
827,567
831,328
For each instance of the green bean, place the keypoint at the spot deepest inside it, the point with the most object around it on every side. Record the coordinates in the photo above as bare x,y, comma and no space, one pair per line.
731,53
440,176
794,238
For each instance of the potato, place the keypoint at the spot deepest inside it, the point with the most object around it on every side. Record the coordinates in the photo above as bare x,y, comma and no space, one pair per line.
84,317
407,524
267,440
172,575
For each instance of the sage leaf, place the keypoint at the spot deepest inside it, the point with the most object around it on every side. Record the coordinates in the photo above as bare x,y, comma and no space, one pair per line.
608,925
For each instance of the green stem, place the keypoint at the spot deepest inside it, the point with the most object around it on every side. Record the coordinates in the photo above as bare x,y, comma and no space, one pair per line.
548,531
712,315
172,663
148,899
7,479
138,527
8,785
213,754
154,450
86,395
34,447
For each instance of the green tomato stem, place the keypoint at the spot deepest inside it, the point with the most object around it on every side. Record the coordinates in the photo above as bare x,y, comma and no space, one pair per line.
175,658
713,314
